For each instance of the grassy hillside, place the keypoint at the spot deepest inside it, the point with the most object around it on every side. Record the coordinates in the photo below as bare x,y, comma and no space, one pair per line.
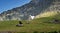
47,14
37,25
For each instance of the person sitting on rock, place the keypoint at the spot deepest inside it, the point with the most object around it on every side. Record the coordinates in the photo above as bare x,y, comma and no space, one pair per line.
20,24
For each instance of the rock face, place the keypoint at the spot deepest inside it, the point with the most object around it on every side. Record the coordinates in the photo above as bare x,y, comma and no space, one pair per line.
52,10
34,8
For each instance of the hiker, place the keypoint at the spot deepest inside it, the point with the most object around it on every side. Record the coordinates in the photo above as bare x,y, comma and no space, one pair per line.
20,24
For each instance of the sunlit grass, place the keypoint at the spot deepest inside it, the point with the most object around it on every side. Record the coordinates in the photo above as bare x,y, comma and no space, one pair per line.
40,25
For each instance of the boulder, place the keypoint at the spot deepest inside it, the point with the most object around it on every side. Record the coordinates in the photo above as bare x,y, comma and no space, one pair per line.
19,25
56,21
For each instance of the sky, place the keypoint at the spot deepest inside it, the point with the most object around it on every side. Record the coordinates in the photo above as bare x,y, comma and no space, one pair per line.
9,4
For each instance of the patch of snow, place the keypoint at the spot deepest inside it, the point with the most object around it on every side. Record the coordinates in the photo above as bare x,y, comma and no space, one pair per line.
32,17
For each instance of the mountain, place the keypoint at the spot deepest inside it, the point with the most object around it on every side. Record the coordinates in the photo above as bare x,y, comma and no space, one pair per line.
52,10
34,8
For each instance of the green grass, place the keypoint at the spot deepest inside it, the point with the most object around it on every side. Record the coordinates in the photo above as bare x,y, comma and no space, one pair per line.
37,25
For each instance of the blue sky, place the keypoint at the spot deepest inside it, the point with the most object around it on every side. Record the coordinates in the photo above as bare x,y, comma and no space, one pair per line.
9,4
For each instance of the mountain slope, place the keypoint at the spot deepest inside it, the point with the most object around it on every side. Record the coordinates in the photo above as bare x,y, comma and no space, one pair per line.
35,7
